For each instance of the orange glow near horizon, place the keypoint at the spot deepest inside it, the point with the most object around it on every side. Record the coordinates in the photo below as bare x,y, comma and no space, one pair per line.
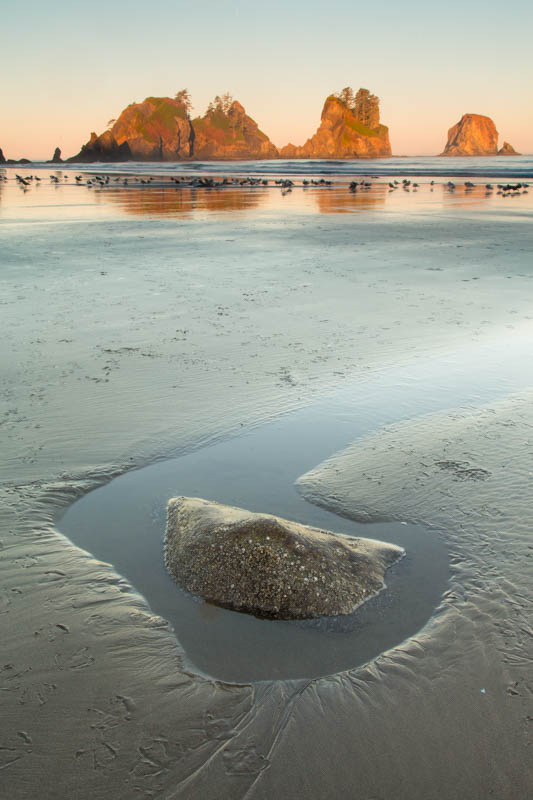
72,132
280,61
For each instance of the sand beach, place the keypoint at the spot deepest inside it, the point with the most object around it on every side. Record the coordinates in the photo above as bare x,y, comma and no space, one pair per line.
384,336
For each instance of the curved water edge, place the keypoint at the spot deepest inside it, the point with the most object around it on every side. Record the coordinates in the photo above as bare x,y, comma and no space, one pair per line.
123,522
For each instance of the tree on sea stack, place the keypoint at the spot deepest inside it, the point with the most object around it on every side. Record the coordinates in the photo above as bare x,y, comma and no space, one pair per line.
184,97
220,104
366,108
347,96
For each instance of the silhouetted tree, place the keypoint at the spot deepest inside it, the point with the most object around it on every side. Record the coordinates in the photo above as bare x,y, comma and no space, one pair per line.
184,97
227,100
222,104
111,122
346,96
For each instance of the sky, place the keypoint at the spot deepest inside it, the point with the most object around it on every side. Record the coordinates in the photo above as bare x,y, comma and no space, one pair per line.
69,66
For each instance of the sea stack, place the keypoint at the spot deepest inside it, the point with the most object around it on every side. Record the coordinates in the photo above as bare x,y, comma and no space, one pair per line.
507,150
473,135
158,129
2,157
227,132
267,566
349,128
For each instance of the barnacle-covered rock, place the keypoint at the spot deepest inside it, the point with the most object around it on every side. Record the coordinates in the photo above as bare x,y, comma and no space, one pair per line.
268,566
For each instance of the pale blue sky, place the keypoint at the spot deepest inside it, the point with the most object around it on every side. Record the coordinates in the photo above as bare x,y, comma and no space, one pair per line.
69,66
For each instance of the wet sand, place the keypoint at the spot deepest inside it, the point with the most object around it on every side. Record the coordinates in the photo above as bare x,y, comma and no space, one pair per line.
133,337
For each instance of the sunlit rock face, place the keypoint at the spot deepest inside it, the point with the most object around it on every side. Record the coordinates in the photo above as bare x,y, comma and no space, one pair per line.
158,129
341,134
473,135
230,134
507,150
268,566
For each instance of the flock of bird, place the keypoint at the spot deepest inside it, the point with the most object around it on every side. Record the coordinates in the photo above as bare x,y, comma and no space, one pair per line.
285,184
505,189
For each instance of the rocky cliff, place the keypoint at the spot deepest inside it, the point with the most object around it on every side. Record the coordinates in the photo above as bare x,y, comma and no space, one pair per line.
343,134
158,129
473,135
230,134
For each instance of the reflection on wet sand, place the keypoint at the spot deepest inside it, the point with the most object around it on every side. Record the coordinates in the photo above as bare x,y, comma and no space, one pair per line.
179,201
182,201
165,198
341,201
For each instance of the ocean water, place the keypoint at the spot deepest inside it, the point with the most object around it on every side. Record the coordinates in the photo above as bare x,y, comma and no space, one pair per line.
504,167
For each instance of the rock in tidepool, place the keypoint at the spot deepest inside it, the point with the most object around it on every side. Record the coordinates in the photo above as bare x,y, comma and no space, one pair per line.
349,128
473,135
268,566
507,150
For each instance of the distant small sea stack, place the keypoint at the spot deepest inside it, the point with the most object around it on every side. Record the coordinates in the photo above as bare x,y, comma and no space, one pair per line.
2,157
507,150
473,135
56,158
